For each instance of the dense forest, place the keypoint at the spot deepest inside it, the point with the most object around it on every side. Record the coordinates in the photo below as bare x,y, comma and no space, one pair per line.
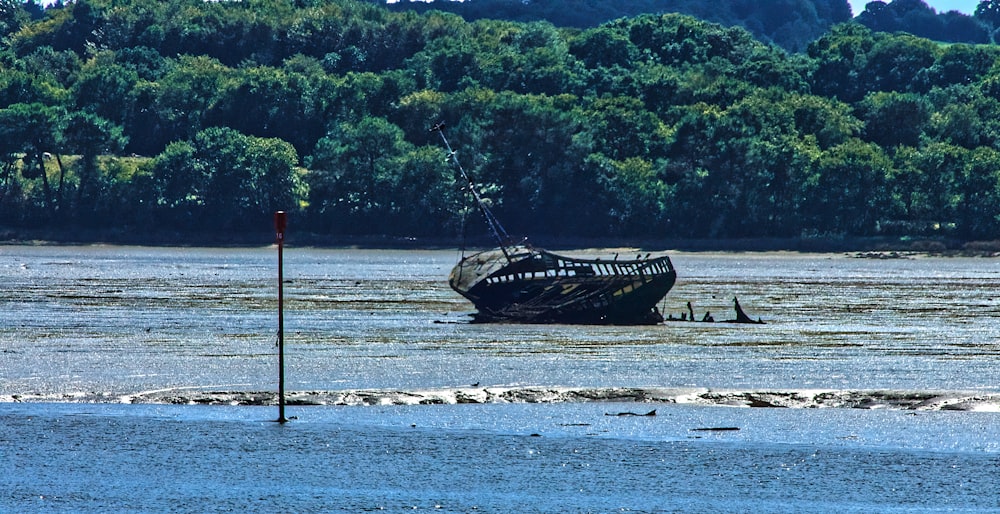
790,24
154,117
915,17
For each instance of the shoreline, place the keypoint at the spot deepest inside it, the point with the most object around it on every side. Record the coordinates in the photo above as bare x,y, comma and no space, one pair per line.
978,401
874,247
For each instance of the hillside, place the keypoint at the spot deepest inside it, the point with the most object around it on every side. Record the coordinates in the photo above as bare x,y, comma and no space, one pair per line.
185,116
790,24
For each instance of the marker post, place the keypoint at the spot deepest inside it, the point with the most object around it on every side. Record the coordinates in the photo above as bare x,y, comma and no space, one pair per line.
280,222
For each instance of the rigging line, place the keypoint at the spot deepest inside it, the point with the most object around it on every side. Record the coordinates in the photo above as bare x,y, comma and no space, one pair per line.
494,224
462,229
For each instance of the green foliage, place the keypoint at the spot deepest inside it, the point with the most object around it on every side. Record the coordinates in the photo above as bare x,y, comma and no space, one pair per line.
90,136
791,24
191,115
366,178
916,17
33,130
637,199
13,15
893,119
224,180
847,191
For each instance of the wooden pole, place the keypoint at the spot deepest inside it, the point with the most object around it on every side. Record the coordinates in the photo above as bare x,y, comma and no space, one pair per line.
280,222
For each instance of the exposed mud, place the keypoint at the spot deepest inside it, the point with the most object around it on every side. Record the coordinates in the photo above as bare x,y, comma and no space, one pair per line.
898,400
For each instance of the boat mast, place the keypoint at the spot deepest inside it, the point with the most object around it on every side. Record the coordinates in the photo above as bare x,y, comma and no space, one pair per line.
503,239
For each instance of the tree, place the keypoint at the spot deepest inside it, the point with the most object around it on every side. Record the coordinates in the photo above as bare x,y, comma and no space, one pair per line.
942,167
426,199
365,178
180,185
989,11
893,119
979,213
622,127
840,58
961,28
13,15
446,64
17,87
637,198
617,128
532,58
960,64
847,192
34,129
531,147
90,136
225,180
187,94
961,124
603,47
830,122
350,175
103,87
895,62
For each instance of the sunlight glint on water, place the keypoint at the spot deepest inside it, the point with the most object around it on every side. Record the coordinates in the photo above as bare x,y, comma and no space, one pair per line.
98,324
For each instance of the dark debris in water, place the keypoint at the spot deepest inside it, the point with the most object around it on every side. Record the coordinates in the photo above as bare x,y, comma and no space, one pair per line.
648,414
884,255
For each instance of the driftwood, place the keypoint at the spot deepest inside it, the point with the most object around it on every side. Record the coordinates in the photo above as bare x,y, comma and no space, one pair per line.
741,316
650,413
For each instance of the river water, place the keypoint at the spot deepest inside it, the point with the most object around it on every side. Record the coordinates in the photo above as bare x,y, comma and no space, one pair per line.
142,380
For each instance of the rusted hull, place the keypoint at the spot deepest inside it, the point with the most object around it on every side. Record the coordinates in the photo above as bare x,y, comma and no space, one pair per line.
534,286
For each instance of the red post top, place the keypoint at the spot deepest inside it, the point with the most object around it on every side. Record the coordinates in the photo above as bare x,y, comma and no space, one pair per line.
280,222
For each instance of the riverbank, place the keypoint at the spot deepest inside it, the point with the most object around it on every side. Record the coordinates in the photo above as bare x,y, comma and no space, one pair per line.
876,246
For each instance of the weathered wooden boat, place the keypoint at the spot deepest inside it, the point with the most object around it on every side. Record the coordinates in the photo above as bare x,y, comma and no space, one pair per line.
522,284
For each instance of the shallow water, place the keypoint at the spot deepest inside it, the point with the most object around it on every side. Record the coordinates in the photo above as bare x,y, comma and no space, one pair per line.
494,458
115,321
113,324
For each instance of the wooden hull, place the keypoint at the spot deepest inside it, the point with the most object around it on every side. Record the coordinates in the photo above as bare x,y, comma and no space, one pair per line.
526,285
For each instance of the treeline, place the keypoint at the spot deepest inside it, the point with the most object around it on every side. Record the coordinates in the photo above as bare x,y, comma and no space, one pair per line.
790,24
917,18
185,115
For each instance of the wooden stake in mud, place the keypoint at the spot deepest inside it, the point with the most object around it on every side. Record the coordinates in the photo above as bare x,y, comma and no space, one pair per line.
280,222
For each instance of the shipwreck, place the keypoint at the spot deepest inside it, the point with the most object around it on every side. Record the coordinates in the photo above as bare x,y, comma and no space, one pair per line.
522,284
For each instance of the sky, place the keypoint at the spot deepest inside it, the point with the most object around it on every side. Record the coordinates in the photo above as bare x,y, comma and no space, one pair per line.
963,6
